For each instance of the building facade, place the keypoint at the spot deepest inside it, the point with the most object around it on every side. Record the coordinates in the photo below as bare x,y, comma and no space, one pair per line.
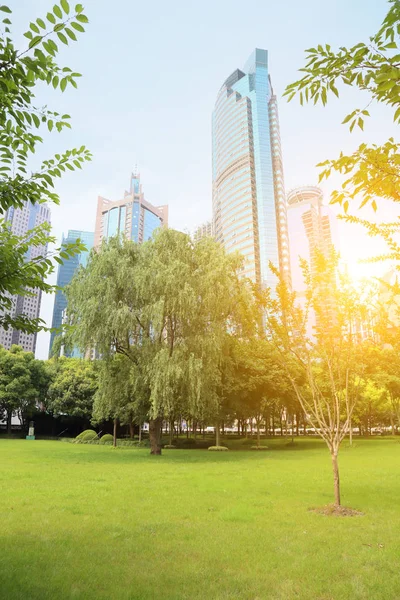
204,230
21,221
133,216
311,228
64,276
312,231
249,204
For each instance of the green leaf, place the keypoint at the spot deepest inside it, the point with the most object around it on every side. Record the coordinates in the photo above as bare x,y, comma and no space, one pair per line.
397,115
63,84
55,81
79,8
65,6
391,45
77,27
62,37
35,41
82,18
36,119
41,23
70,34
50,124
361,123
50,17
57,11
34,27
5,9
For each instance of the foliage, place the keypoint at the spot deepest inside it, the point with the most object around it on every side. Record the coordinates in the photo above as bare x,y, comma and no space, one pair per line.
21,71
107,438
166,308
21,382
73,387
218,448
372,171
329,362
85,436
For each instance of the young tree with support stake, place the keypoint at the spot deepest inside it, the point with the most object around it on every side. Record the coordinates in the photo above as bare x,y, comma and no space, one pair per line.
328,363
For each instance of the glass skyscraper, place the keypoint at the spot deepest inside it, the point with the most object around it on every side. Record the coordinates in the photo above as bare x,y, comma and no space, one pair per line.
132,216
64,275
249,205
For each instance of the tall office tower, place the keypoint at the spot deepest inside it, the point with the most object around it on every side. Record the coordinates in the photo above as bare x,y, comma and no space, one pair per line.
21,221
65,273
132,216
311,230
249,205
204,230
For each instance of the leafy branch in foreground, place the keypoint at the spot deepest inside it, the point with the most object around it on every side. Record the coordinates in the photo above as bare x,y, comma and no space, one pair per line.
372,67
20,123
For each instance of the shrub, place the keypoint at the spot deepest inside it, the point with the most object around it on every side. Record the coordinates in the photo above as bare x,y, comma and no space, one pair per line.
188,442
107,438
86,436
218,448
259,448
169,446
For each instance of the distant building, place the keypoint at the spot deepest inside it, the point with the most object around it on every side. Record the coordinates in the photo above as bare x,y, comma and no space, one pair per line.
133,216
22,220
311,231
64,276
204,230
249,204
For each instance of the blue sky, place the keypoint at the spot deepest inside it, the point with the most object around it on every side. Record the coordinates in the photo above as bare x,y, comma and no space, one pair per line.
151,72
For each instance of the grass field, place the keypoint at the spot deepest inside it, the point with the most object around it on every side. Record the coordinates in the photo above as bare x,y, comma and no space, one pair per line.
91,522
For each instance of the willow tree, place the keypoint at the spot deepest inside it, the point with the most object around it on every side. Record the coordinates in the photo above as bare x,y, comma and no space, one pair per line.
167,306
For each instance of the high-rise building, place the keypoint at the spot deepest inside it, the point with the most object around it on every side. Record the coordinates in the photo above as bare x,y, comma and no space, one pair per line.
249,204
204,230
21,221
64,276
132,216
311,230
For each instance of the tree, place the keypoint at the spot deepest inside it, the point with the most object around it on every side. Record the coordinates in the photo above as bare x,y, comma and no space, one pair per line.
167,306
328,361
21,71
372,171
72,388
19,383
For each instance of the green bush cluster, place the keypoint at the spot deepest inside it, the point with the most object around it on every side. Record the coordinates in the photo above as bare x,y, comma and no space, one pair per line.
86,436
107,438
218,448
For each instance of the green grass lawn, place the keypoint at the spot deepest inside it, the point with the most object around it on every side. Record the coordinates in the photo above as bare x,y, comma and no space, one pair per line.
92,522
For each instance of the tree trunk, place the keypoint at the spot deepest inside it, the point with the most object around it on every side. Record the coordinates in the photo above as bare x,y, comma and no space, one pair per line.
281,422
115,433
9,417
392,424
258,434
297,424
154,435
171,432
131,430
217,439
351,433
140,432
273,423
336,481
